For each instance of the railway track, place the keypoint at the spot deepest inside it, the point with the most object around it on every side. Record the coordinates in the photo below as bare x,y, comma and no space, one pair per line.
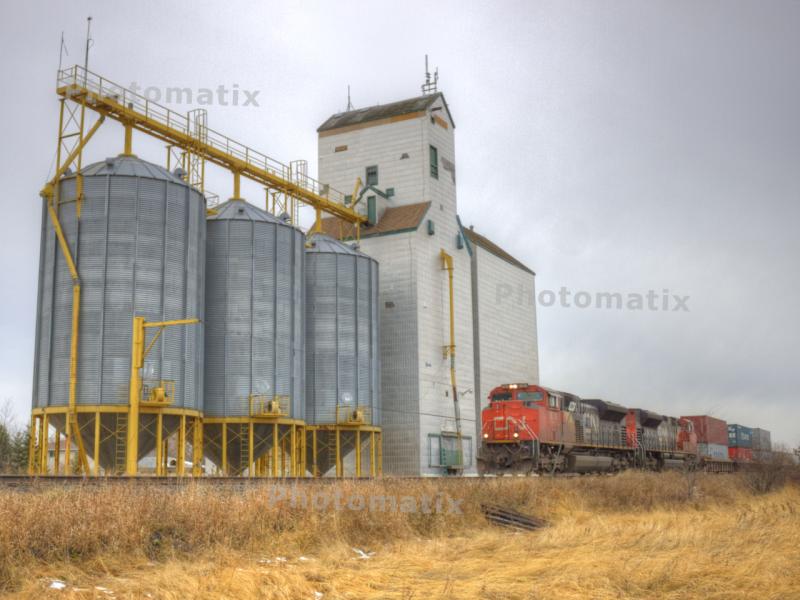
23,482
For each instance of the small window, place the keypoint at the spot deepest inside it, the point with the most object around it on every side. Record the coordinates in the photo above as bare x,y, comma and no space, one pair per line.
348,199
372,210
372,175
552,401
434,156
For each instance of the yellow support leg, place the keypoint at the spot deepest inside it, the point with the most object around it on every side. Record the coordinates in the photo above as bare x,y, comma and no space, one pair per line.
32,445
275,449
57,454
283,456
96,454
224,448
379,436
314,471
159,444
250,466
303,453
44,443
180,468
197,448
372,468
293,455
339,465
358,453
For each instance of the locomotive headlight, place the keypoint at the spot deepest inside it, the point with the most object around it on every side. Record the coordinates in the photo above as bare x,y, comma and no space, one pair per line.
516,435
486,436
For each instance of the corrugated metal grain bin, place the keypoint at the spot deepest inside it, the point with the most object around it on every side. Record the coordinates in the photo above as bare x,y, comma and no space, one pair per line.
139,247
342,353
761,439
254,342
718,451
710,430
739,436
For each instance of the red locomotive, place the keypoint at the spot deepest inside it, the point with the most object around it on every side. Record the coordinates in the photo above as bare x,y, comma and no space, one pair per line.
530,428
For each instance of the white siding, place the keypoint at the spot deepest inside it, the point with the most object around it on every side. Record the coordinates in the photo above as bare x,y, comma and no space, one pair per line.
381,145
505,305
398,346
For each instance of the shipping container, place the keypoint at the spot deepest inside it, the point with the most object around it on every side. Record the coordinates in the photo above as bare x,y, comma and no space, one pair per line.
740,454
718,451
740,436
710,430
762,440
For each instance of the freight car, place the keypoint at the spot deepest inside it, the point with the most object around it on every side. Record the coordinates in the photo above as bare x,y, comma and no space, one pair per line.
534,429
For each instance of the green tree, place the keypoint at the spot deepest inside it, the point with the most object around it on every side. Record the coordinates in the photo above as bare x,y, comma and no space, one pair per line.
6,444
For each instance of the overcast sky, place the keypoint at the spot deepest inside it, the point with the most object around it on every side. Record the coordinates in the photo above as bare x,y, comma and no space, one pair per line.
611,146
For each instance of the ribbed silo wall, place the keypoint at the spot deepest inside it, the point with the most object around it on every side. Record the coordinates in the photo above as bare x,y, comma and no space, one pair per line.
254,318
138,247
342,351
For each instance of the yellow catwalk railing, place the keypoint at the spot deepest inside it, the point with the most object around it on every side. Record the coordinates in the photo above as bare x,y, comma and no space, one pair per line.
137,112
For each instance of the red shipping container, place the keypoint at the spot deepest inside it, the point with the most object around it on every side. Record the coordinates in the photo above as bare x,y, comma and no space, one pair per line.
740,454
710,430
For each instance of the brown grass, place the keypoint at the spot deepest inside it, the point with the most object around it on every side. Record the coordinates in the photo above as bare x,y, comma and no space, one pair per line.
636,535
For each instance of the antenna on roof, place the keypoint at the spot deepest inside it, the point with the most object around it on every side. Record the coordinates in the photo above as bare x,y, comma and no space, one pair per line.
89,42
429,87
349,104
61,51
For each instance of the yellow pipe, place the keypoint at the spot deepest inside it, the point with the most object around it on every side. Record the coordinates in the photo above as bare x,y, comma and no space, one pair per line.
72,427
137,359
128,151
447,263
62,241
237,182
318,221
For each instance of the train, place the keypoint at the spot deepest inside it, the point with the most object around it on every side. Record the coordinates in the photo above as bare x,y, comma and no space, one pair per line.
528,429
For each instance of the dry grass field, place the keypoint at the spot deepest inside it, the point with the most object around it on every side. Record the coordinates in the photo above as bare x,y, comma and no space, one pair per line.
635,535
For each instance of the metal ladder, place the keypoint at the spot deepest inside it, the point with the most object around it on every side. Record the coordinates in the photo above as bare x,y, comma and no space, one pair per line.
244,447
120,442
